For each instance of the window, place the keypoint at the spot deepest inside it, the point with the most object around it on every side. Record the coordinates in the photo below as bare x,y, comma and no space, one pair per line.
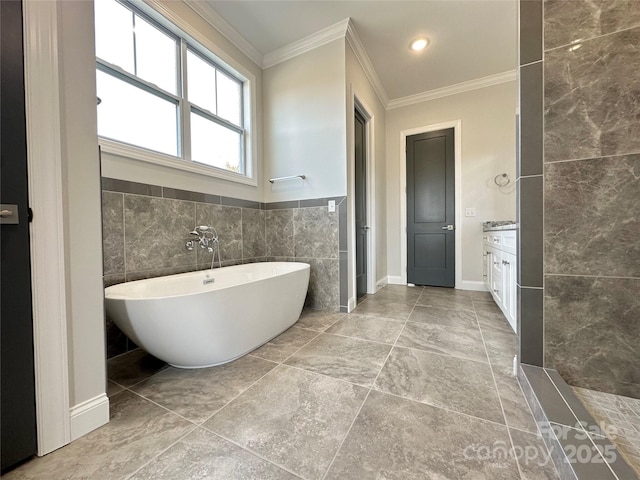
165,93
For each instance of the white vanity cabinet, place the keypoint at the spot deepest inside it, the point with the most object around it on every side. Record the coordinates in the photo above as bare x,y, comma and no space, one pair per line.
499,255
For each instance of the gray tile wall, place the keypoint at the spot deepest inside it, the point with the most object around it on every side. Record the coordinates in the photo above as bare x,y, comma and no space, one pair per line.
590,321
145,228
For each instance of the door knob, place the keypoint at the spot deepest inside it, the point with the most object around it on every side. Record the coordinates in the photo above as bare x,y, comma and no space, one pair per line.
9,214
448,227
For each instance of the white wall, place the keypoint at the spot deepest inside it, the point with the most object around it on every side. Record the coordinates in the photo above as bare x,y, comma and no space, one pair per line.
137,171
488,149
358,86
305,126
81,183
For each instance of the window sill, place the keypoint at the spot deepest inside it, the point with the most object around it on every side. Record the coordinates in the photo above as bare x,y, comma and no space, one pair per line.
141,154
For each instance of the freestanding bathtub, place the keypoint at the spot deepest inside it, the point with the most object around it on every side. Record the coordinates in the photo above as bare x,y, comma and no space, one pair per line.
206,318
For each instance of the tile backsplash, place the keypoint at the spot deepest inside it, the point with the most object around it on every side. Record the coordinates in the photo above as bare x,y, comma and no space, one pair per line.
146,227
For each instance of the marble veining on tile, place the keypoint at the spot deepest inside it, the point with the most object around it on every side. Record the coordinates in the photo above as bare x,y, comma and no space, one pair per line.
294,418
284,345
113,233
366,327
318,320
228,223
592,223
589,324
324,283
253,233
395,438
443,316
285,422
590,99
279,233
460,385
156,230
392,310
533,457
137,431
462,342
578,20
202,454
514,405
197,393
619,418
316,233
354,360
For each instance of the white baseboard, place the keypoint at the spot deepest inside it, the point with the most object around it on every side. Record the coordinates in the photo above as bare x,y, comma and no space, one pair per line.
89,415
473,285
382,283
352,304
393,280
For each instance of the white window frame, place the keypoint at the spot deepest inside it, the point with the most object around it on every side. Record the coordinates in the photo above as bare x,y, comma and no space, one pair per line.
205,47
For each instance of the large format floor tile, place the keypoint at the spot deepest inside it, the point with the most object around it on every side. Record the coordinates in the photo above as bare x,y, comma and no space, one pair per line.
137,431
293,418
395,438
533,457
350,359
443,316
441,380
435,366
429,298
202,454
196,394
317,319
455,341
133,367
385,308
367,328
284,345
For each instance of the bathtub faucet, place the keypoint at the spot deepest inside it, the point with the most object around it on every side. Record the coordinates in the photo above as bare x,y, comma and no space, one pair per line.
207,238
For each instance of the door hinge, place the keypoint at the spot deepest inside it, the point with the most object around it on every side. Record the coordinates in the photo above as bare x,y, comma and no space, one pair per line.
29,215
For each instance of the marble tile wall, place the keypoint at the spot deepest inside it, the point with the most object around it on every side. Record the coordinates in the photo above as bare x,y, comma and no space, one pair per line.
591,190
145,228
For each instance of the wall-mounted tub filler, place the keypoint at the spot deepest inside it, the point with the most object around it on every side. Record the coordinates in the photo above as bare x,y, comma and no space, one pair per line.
207,239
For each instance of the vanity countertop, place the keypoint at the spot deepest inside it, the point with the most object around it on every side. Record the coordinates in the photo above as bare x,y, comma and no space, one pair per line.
498,225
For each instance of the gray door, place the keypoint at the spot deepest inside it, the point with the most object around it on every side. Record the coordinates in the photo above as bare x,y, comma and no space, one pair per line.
431,209
361,204
17,391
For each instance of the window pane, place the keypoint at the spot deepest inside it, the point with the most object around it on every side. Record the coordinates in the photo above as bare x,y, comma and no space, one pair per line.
201,82
229,98
214,144
114,34
129,114
155,56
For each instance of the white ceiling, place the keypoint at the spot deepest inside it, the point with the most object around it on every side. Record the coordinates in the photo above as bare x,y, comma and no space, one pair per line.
470,39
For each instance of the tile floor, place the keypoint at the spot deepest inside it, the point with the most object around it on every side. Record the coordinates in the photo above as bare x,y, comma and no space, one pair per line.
416,383
619,418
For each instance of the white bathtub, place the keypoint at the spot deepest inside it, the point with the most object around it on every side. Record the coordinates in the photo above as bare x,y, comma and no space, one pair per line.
205,318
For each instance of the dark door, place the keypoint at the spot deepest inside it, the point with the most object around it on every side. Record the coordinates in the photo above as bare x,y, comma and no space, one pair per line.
17,393
361,204
431,209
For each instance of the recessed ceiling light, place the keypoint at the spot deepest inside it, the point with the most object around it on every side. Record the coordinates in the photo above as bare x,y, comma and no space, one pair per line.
419,44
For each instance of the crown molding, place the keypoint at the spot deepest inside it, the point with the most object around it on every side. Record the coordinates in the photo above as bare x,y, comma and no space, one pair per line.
365,62
306,44
214,19
483,82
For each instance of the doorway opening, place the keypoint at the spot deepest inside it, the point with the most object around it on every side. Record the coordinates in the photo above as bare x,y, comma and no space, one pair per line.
361,193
